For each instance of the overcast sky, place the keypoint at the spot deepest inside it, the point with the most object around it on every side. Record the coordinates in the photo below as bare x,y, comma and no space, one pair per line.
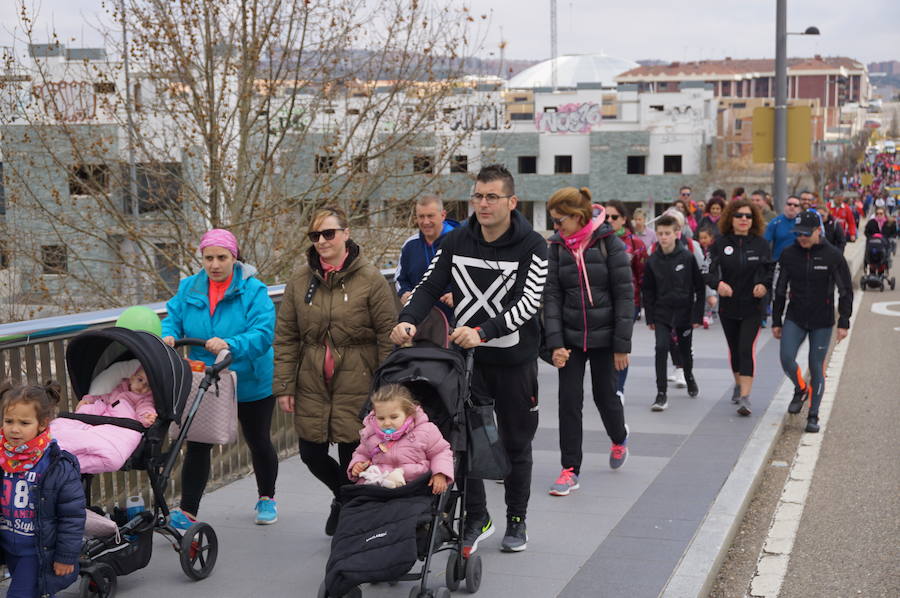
663,29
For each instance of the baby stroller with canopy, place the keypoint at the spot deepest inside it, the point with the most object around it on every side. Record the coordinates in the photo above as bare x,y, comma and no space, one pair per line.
382,532
877,264
105,558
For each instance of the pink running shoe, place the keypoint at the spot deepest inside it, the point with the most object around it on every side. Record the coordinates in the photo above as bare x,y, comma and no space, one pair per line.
565,483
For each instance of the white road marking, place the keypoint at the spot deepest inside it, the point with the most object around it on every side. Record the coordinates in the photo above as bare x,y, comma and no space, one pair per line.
883,308
771,567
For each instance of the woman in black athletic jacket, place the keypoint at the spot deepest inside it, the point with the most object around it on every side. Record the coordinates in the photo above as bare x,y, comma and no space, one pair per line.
740,269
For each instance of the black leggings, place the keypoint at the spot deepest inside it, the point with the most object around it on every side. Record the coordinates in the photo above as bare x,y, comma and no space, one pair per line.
741,337
255,418
322,465
664,335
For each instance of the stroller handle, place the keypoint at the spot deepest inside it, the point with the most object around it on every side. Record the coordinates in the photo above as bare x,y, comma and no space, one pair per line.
223,359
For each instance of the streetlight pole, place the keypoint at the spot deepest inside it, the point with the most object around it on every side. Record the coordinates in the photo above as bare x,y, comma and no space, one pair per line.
779,187
780,183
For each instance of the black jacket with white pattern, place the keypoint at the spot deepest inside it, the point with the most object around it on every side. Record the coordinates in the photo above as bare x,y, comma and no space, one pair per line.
496,286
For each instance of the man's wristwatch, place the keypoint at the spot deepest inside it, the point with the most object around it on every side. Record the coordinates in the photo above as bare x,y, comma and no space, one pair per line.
481,334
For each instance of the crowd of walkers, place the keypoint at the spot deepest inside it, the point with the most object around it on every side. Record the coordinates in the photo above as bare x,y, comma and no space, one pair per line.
512,296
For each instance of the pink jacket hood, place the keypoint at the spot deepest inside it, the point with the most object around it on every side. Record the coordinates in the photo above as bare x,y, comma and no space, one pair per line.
419,450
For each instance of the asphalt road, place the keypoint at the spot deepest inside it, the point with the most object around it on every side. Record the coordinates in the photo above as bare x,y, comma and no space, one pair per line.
848,543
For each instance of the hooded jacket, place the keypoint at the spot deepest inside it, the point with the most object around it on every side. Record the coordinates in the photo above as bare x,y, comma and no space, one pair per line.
419,450
59,519
808,277
353,310
244,318
673,288
496,287
415,255
741,261
571,319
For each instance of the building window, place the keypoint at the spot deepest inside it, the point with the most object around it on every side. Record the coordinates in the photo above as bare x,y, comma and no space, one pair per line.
459,164
637,165
423,164
521,116
657,107
158,186
324,164
89,179
104,87
737,124
527,164
55,259
353,111
671,164
549,109
166,262
4,255
2,192
562,164
359,164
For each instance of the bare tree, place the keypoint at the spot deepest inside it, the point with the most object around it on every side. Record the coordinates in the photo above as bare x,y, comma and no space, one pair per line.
246,114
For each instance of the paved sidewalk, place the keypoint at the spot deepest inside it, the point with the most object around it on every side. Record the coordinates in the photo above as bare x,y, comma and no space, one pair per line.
621,534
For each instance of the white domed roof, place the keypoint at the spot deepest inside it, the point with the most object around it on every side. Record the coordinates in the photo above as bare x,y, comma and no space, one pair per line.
573,69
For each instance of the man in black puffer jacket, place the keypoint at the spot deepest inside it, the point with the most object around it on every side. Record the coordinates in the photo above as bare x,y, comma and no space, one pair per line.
673,293
588,316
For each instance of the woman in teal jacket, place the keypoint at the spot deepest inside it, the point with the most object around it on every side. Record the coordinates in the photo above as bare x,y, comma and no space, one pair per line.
228,306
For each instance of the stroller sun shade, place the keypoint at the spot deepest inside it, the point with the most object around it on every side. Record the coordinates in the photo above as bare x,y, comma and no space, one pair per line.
169,375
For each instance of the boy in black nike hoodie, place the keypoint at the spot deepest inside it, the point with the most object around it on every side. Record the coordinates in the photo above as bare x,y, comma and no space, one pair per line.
496,266
673,296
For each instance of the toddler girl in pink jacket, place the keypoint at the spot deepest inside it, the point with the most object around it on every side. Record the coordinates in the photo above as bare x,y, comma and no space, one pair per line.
398,443
106,447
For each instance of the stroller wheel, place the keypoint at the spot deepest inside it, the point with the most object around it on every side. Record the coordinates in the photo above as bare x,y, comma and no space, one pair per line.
442,592
473,573
101,582
862,283
455,566
199,550
417,592
892,282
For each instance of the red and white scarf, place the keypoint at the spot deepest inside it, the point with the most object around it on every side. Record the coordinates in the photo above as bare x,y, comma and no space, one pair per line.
23,457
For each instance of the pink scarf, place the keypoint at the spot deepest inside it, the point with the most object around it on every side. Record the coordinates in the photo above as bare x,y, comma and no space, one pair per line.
328,366
880,222
578,241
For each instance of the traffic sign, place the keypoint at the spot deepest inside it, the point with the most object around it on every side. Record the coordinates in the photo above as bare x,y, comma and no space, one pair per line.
799,134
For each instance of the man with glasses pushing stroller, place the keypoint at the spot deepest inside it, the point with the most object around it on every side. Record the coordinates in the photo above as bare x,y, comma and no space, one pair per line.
496,266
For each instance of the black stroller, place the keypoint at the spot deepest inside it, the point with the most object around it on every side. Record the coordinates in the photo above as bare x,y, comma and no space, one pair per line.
877,264
169,376
397,527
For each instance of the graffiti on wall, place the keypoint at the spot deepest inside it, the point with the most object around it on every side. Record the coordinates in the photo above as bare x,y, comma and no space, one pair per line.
478,118
569,118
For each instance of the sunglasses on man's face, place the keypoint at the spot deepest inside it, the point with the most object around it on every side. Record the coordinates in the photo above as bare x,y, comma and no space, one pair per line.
743,215
328,234
792,204
685,193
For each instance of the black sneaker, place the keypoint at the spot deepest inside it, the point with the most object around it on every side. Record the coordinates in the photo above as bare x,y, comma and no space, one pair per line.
476,530
661,402
692,388
796,403
331,523
516,538
744,406
812,424
736,394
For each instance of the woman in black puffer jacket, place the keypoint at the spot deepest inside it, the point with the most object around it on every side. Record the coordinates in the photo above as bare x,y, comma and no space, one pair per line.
588,316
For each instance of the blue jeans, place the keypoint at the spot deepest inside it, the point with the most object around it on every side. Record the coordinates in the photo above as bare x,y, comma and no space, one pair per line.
622,375
792,337
24,571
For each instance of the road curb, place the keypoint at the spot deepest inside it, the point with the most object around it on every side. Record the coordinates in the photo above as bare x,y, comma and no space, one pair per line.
699,566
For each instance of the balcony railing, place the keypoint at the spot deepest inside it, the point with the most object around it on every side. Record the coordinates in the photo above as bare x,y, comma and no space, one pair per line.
35,351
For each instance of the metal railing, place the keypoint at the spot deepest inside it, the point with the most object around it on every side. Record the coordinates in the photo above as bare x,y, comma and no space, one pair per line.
35,350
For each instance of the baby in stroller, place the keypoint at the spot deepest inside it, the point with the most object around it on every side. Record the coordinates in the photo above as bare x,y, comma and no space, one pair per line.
877,263
398,443
102,448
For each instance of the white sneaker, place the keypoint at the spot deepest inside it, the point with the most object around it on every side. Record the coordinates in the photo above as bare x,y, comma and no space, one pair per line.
680,382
